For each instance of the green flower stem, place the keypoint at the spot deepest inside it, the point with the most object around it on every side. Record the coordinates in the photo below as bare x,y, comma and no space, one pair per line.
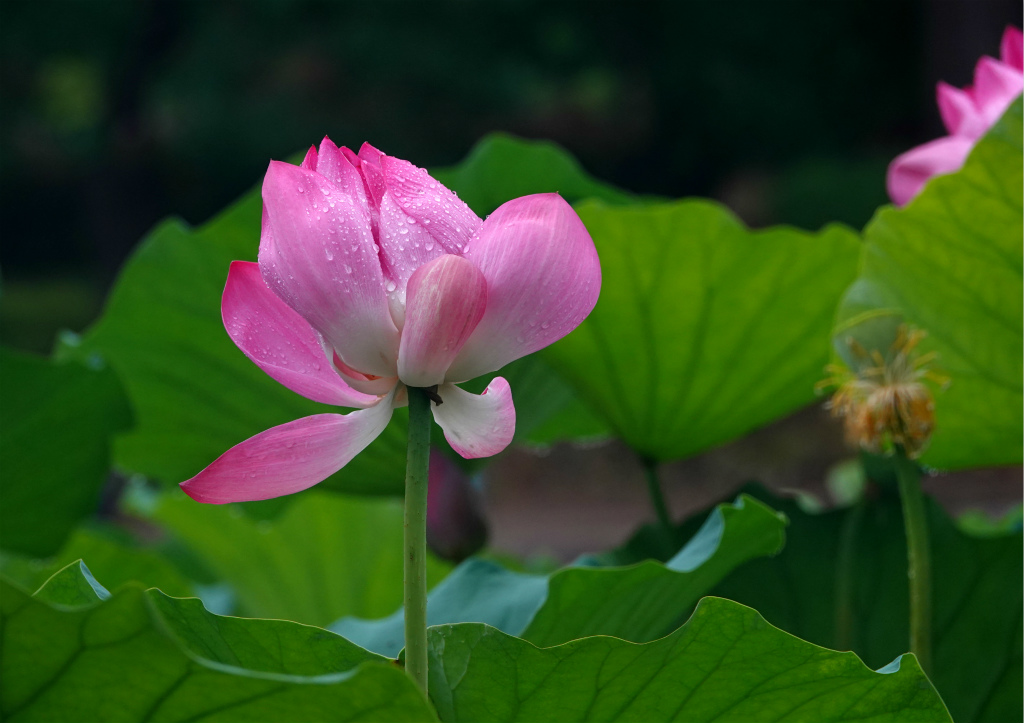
657,498
845,560
919,565
417,464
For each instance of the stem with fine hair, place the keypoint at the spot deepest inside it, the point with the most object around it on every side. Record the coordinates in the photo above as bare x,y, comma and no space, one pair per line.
919,567
657,497
417,464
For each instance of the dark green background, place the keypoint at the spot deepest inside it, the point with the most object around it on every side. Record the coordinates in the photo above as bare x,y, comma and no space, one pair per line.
116,114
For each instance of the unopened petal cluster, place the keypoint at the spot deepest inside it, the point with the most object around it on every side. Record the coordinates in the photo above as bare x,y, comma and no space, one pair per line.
967,113
884,401
373,277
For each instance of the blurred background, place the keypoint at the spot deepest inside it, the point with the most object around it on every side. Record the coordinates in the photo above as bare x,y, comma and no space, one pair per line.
116,114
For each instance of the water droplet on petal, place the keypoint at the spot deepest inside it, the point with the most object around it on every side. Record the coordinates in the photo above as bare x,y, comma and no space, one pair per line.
348,269
391,286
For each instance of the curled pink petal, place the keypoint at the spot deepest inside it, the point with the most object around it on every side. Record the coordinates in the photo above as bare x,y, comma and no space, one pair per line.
477,425
447,298
437,210
317,255
309,162
543,278
279,341
1011,49
909,172
336,168
288,458
959,112
366,383
996,84
420,220
369,166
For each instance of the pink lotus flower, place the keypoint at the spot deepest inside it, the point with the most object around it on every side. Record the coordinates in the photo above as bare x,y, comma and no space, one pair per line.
373,276
967,115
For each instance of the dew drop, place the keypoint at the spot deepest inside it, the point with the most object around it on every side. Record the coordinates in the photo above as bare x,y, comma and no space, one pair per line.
545,325
329,254
348,269
301,189
391,286
429,246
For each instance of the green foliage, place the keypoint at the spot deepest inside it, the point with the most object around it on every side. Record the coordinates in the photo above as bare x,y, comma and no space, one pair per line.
56,424
638,603
140,655
841,582
704,330
646,601
324,557
114,556
951,263
725,664
501,167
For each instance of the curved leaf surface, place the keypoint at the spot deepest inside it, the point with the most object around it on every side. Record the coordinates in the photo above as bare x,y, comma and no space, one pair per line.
638,602
114,558
704,330
951,262
725,664
841,582
140,655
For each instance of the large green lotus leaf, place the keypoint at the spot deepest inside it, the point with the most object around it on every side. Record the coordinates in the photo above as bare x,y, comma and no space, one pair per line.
501,167
638,602
115,559
841,581
704,330
325,556
951,263
56,425
195,394
725,664
75,652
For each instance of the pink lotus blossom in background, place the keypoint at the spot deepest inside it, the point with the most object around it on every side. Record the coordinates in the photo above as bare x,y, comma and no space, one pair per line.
967,114
373,276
